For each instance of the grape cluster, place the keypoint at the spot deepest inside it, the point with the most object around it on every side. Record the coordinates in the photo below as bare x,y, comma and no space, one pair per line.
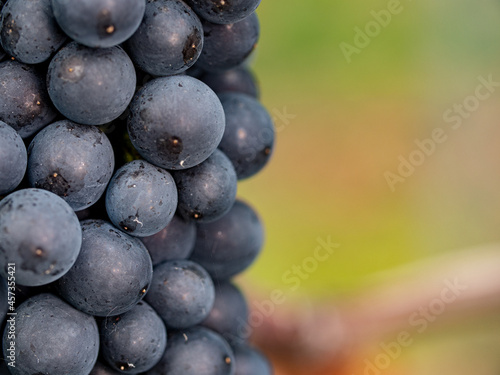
124,129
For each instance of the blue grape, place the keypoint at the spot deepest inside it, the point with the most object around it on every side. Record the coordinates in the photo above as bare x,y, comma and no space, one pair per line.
196,351
248,140
223,11
182,293
227,46
169,39
250,361
91,86
40,234
135,341
99,23
229,315
112,273
228,246
176,122
141,199
174,242
207,191
73,161
25,104
29,31
13,159
52,338
238,79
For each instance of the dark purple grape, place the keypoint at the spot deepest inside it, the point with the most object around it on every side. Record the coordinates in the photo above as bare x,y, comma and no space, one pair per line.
196,351
29,31
141,199
207,191
73,161
182,293
99,23
40,234
91,86
248,140
25,104
228,246
239,79
176,122
112,273
135,341
229,315
169,39
52,337
227,46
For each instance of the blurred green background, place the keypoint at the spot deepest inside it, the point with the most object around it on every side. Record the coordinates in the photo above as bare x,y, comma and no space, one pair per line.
347,124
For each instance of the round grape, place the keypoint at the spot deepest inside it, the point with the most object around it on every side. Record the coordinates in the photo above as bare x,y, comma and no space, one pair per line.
169,39
112,273
29,31
207,191
176,122
25,104
73,161
182,293
51,337
229,245
91,86
141,199
40,234
196,351
99,23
